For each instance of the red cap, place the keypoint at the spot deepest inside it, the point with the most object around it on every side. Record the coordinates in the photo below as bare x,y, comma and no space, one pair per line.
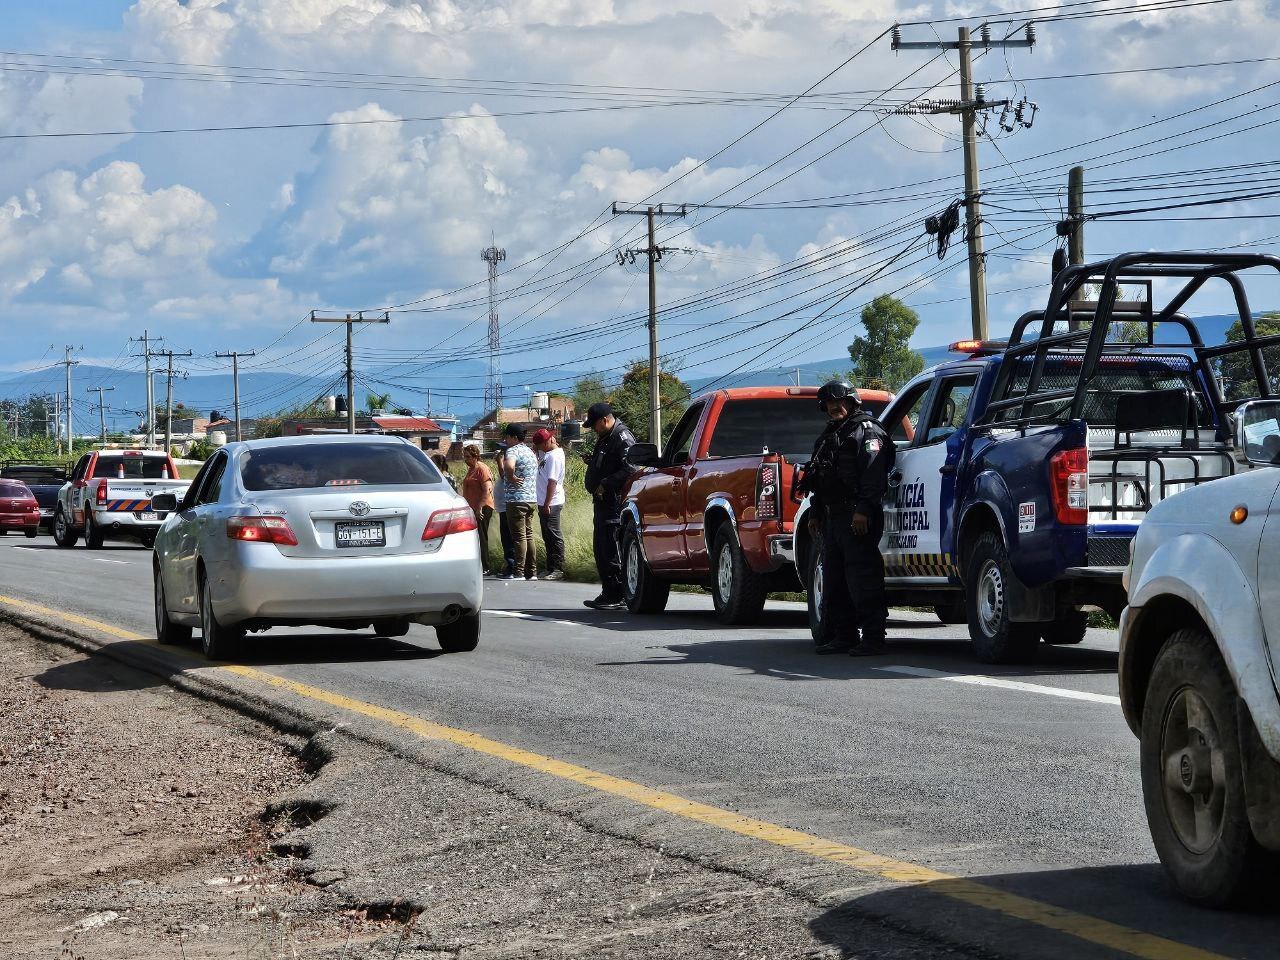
541,435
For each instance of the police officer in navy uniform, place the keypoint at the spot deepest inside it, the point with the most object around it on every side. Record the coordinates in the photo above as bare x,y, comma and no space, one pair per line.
607,473
847,479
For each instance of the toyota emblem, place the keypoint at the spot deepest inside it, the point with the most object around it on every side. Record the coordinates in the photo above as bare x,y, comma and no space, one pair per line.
359,508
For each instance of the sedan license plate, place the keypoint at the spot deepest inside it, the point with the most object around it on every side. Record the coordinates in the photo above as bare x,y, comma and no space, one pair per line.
148,515
360,533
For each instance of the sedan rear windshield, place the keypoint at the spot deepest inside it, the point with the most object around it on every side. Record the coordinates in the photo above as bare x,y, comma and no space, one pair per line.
786,425
15,490
135,468
299,466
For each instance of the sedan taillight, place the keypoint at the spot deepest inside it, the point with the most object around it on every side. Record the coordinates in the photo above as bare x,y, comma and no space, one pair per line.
444,522
262,530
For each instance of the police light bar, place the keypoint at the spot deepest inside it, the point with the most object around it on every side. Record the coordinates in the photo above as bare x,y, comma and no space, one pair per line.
978,348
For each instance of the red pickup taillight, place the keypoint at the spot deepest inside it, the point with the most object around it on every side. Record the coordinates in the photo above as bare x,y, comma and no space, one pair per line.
102,493
1069,485
262,530
444,522
769,491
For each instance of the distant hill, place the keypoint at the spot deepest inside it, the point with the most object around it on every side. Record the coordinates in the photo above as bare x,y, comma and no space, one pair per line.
455,387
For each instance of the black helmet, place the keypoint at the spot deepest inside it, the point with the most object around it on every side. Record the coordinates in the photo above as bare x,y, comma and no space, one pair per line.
837,390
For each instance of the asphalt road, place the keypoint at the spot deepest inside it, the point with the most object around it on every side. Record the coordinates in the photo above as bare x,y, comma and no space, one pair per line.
1031,786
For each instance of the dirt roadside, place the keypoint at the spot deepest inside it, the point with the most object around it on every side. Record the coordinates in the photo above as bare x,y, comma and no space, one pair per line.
120,839
130,821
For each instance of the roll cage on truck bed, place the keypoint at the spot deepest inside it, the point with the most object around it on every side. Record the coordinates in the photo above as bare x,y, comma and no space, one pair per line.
1023,471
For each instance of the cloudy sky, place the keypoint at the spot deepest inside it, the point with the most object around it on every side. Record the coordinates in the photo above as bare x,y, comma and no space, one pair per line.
389,140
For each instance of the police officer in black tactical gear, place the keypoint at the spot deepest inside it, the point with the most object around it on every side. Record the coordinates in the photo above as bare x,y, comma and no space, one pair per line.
607,473
847,479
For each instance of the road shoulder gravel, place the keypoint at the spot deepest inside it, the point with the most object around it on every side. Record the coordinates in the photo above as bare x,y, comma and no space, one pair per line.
461,855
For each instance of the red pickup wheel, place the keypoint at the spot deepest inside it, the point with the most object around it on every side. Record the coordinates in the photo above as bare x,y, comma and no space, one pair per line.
739,592
643,592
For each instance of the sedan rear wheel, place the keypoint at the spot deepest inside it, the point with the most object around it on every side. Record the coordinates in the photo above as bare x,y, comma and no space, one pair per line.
461,635
219,642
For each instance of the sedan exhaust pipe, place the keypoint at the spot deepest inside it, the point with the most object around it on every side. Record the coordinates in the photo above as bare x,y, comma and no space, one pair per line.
452,614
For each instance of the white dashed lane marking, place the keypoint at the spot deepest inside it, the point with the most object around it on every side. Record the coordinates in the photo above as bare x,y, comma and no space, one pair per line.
979,680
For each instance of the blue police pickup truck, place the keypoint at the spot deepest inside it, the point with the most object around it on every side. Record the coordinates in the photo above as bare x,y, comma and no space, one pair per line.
1024,468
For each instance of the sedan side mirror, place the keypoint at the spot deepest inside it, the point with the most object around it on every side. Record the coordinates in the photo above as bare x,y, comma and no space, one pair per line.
643,455
1257,433
164,502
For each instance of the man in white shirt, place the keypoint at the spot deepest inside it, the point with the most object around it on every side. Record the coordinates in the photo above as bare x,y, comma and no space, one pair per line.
550,499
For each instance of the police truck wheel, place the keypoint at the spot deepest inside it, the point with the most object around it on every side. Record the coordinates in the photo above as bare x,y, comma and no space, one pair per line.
738,591
1067,630
92,534
643,592
64,535
1191,775
952,613
816,584
996,639
219,641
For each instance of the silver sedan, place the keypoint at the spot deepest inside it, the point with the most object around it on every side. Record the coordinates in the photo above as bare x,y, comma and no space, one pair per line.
336,531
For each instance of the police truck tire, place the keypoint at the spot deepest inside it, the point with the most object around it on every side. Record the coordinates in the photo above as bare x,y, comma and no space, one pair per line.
952,613
996,639
643,592
815,583
737,590
92,535
1067,630
64,534
1192,780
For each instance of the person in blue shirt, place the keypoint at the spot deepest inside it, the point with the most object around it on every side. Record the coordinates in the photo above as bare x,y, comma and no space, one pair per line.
521,468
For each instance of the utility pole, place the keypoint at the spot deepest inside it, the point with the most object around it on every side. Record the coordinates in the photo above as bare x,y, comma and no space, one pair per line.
1075,214
235,356
654,253
69,363
168,401
493,255
350,320
146,340
102,408
971,104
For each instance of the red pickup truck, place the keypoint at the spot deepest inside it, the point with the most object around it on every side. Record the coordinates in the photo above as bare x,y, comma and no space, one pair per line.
714,509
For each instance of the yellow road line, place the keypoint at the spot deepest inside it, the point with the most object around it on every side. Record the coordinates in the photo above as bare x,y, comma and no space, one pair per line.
1091,929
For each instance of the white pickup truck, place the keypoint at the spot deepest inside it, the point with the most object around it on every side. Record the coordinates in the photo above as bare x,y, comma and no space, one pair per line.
109,496
1199,644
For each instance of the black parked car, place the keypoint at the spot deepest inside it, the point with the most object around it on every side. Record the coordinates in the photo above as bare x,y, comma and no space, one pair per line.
44,480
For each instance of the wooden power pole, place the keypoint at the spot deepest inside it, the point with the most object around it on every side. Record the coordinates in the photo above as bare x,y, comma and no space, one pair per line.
654,253
972,102
350,320
235,356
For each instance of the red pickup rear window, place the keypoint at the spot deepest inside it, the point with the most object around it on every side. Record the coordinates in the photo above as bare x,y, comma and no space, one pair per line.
786,425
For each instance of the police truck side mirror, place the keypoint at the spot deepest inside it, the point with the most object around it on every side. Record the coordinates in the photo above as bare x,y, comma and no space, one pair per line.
1257,433
643,455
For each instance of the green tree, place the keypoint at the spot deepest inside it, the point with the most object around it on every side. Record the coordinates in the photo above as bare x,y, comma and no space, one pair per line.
588,390
180,412
272,425
631,399
377,401
1236,369
882,360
